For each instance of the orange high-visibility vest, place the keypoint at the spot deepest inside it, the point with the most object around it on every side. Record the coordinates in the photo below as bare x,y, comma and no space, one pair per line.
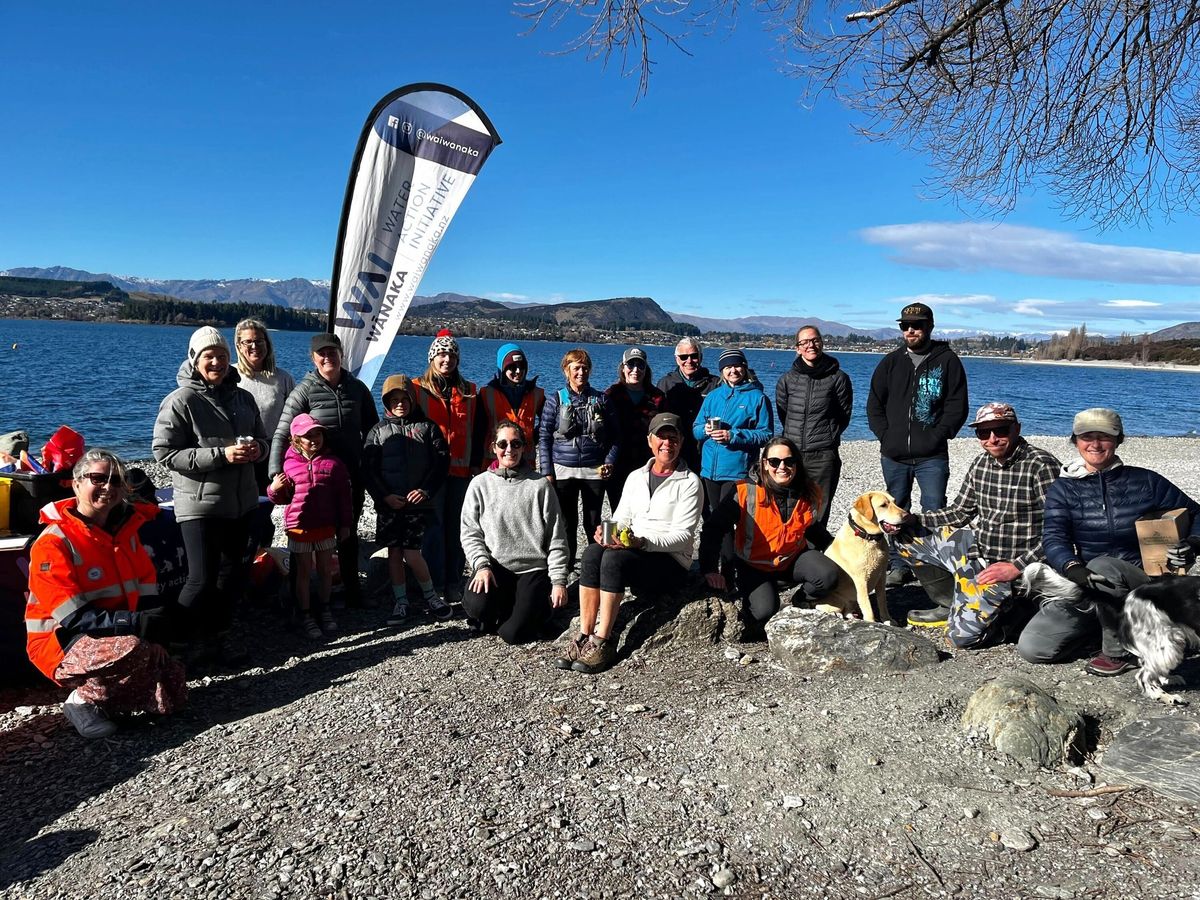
73,565
525,416
456,419
761,537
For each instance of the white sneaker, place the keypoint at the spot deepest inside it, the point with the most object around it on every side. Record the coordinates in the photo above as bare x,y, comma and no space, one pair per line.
87,718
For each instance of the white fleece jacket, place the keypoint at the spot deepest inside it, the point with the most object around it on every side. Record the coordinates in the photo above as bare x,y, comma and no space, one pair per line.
667,521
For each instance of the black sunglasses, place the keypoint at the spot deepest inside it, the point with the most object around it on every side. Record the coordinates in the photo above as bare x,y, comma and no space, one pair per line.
687,356
776,461
515,443
914,326
986,431
635,364
99,479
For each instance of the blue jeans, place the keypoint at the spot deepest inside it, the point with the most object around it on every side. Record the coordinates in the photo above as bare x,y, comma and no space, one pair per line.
931,474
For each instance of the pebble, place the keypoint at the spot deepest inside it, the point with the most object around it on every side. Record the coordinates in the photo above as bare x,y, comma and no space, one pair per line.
724,878
636,708
792,801
1017,839
1096,814
583,845
25,710
970,812
731,653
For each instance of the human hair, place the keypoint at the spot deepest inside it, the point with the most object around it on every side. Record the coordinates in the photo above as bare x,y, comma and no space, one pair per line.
295,439
98,454
689,342
813,328
438,383
505,424
802,484
647,379
576,355
268,360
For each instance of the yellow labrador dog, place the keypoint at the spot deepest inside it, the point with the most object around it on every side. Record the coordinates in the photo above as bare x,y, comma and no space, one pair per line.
860,550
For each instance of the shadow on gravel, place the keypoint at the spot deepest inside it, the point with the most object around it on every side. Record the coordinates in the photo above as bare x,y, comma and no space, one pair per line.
47,770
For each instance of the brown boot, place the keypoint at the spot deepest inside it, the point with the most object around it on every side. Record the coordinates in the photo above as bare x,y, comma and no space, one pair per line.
571,653
596,656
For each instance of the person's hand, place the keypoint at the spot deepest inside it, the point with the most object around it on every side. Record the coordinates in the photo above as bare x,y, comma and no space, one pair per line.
416,495
550,477
635,543
343,533
395,502
255,451
1086,579
484,579
721,435
238,453
605,471
715,580
999,573
1181,556
708,428
558,596
280,482
911,520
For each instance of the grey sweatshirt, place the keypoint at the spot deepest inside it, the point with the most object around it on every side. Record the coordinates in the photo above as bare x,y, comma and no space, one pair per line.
512,516
269,392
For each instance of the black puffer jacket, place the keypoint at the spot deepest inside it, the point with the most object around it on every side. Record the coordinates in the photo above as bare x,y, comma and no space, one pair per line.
814,403
1092,515
403,455
685,401
914,412
347,412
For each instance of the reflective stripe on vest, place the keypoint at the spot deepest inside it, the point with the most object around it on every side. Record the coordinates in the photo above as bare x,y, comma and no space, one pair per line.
35,626
61,535
498,409
761,538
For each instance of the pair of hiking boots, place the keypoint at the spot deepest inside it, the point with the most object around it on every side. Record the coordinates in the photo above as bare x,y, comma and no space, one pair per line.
588,654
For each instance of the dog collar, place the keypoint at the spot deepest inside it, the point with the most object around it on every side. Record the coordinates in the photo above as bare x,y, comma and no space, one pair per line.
861,533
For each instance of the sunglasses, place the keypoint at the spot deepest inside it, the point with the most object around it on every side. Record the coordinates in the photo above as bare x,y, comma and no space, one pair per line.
635,364
515,443
813,342
684,357
99,479
914,326
776,461
1001,431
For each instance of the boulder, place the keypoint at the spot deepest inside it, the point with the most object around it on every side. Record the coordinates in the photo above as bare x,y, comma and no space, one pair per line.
1163,754
804,641
1023,721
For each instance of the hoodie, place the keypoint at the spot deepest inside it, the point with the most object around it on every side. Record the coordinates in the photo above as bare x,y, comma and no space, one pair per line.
915,412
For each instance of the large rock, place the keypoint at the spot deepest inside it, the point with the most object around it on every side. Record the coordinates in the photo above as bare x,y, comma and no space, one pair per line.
1022,720
1163,754
805,640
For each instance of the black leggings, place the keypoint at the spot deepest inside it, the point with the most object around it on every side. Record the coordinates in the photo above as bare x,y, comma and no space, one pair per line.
812,570
570,492
714,493
218,551
613,570
516,605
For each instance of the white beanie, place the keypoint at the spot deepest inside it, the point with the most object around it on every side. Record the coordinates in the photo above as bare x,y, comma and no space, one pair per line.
202,339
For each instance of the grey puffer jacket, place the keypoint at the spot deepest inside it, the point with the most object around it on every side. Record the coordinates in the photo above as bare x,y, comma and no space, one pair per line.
403,455
814,403
195,424
347,412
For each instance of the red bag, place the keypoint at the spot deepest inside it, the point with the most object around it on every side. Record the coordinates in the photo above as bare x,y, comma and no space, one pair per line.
63,450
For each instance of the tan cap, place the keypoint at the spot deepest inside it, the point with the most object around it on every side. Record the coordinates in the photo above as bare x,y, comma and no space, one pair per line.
395,383
1105,421
994,412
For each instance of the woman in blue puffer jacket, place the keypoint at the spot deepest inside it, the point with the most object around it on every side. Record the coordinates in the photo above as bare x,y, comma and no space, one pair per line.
741,414
1089,536
577,446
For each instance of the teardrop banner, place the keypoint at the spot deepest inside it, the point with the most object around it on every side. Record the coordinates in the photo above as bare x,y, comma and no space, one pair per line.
418,155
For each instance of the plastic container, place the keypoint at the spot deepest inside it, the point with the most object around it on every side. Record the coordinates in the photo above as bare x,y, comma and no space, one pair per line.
28,493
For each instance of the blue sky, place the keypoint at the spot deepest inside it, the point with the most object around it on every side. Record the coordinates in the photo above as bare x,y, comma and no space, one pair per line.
214,140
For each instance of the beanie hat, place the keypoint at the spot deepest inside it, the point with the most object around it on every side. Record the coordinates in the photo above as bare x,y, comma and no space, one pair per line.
508,354
202,339
394,383
443,343
731,356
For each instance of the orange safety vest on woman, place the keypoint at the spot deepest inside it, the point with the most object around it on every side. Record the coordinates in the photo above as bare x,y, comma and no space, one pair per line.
498,410
456,419
73,565
761,537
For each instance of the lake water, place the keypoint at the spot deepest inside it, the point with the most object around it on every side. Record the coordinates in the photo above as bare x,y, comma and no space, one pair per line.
106,380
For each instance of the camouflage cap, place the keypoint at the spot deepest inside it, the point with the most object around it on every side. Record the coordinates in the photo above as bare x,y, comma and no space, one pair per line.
994,412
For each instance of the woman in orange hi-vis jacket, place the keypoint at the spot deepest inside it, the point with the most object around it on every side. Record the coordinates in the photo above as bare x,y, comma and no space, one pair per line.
92,611
448,399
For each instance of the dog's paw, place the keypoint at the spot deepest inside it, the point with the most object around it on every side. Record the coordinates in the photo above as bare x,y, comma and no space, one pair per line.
1172,699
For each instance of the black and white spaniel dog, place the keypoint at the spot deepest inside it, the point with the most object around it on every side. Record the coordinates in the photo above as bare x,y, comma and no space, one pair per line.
1157,622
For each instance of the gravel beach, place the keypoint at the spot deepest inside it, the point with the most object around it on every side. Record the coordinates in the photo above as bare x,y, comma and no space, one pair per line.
426,762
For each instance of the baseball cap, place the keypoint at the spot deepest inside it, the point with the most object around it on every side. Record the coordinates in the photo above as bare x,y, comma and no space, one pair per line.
323,340
664,420
994,412
633,353
1105,421
916,312
303,424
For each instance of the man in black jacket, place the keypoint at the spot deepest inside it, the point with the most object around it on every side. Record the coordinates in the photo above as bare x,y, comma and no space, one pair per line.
815,400
685,387
918,401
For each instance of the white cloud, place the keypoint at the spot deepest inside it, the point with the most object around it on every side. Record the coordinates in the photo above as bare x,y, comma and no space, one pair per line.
973,246
946,300
1130,304
505,296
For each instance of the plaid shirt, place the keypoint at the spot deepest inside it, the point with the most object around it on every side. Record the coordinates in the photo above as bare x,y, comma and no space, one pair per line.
1009,500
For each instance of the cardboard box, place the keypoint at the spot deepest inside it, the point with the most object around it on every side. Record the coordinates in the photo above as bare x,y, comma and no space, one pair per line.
1157,533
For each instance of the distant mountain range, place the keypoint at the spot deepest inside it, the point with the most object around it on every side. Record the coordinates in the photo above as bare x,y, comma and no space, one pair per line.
302,293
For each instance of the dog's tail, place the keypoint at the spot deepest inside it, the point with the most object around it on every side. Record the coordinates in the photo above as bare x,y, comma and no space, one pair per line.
1041,580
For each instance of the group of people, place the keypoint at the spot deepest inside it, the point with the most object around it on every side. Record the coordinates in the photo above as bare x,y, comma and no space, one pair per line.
479,494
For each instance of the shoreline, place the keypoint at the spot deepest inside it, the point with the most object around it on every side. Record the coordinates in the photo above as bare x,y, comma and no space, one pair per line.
1108,364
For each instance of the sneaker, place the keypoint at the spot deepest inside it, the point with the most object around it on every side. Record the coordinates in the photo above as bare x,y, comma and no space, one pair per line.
900,576
399,613
596,656
929,618
437,607
328,623
311,628
571,653
1107,666
87,718
454,594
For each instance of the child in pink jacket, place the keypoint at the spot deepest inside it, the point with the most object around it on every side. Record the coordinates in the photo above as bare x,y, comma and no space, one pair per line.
315,484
